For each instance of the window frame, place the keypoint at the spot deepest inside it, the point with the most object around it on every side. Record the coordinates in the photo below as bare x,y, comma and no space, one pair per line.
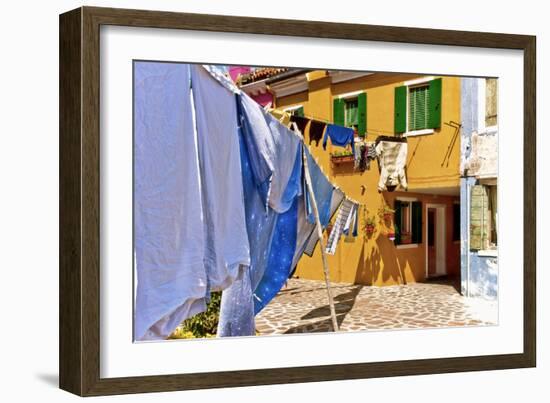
420,82
409,201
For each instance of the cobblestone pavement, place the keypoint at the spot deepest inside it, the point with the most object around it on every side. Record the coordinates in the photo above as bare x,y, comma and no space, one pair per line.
302,307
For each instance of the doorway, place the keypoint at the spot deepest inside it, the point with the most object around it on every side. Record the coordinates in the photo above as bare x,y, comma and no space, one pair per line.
435,240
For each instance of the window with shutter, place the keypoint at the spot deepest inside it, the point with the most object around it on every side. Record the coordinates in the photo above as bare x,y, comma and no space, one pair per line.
351,111
408,222
419,98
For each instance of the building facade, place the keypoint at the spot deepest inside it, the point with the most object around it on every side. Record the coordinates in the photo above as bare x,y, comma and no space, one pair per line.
426,112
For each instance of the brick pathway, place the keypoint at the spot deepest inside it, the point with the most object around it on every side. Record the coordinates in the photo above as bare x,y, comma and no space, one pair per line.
302,307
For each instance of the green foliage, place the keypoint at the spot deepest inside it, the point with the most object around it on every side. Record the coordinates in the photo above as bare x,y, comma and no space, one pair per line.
204,324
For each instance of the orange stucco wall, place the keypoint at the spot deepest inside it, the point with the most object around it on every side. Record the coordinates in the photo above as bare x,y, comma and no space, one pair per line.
432,165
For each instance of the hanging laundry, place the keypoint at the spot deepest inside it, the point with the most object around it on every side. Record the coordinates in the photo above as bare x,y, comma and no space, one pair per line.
311,242
364,161
392,157
237,305
279,264
271,151
357,151
316,130
169,241
301,122
227,247
283,244
343,222
339,136
322,190
371,151
353,223
265,227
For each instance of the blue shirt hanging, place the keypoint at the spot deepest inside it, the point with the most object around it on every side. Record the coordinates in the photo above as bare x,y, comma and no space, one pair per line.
339,136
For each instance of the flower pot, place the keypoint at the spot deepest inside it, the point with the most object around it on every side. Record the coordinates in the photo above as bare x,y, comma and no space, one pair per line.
341,159
369,229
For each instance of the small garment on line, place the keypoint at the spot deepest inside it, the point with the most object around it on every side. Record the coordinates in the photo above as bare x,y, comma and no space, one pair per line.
364,161
339,136
322,190
354,221
392,157
301,122
343,222
311,241
316,130
357,151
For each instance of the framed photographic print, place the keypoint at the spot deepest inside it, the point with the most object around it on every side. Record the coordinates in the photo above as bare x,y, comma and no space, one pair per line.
249,201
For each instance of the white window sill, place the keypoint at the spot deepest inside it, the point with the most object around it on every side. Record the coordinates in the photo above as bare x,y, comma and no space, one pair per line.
488,253
418,132
407,246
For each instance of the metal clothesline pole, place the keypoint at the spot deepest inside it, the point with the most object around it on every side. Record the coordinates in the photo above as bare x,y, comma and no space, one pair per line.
321,242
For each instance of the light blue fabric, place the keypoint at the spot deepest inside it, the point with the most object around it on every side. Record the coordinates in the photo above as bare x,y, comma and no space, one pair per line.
322,190
271,148
168,237
226,238
339,136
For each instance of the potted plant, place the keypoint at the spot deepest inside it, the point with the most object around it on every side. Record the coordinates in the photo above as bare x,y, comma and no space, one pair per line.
386,213
340,157
370,224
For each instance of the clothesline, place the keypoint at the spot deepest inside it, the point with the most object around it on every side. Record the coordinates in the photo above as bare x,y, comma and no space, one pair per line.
312,117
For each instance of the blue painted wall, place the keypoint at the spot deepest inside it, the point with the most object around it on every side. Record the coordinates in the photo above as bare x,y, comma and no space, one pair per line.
479,274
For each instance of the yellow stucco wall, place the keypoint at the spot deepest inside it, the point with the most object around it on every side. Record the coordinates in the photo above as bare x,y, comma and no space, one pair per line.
433,162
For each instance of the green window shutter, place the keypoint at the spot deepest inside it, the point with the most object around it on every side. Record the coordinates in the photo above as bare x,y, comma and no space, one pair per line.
298,111
434,108
397,221
338,112
416,218
418,108
479,213
362,121
400,109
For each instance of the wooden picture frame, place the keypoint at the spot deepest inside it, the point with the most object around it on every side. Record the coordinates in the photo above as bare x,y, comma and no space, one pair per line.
79,347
